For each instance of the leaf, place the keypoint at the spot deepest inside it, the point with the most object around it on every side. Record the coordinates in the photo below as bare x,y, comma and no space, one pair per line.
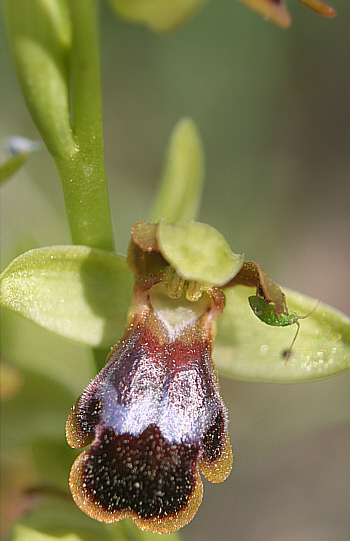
158,15
246,348
198,252
180,192
77,292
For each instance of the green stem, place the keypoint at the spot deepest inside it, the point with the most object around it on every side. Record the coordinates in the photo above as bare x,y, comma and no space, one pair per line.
83,174
87,197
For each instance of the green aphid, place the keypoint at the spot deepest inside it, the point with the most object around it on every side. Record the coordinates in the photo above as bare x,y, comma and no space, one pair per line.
265,311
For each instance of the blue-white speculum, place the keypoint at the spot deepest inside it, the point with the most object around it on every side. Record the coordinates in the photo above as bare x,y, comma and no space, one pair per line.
153,415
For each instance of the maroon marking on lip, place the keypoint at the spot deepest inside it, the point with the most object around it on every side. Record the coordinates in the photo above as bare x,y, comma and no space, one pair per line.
142,474
214,438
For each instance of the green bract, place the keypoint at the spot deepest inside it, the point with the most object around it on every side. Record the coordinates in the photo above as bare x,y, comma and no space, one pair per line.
75,291
198,252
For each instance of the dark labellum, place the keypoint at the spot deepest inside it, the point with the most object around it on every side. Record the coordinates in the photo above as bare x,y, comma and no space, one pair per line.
154,416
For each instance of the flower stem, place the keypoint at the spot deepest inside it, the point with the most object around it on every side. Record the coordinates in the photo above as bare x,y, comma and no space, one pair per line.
83,174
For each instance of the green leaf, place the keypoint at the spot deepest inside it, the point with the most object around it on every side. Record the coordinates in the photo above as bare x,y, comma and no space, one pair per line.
246,348
180,192
77,292
158,15
198,252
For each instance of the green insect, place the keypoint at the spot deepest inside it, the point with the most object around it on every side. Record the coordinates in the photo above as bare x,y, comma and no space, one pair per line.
265,311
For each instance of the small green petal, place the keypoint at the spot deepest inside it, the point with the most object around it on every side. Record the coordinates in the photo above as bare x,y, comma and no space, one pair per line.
77,292
158,15
246,348
198,252
180,192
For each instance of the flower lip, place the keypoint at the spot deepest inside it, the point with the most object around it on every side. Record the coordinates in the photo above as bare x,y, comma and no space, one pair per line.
154,416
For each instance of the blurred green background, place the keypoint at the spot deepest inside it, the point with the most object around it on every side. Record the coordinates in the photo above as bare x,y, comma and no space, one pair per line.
273,109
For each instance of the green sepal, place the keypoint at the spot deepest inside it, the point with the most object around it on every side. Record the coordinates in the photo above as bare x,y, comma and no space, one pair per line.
197,251
245,348
77,292
180,192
